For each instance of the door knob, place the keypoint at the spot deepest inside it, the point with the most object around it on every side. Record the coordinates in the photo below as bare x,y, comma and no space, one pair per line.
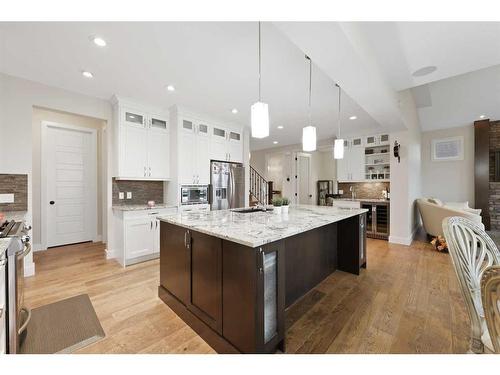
52,202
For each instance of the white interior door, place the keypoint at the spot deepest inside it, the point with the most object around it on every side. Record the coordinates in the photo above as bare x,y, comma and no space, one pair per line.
303,179
69,190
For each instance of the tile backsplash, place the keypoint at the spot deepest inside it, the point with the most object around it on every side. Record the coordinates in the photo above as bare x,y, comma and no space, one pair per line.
142,191
16,184
368,190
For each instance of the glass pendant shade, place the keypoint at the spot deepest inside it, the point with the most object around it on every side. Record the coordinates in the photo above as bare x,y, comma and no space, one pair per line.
309,138
260,120
338,149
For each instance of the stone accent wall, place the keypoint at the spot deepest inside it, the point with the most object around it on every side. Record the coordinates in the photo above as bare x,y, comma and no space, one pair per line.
364,190
142,191
16,184
494,196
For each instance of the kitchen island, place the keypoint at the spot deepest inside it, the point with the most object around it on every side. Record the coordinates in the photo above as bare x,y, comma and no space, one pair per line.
232,275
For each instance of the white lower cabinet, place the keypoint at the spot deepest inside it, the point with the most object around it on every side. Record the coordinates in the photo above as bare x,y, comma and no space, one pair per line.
139,238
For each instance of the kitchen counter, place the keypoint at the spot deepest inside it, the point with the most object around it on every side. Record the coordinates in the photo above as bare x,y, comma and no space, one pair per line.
139,207
376,200
231,276
259,228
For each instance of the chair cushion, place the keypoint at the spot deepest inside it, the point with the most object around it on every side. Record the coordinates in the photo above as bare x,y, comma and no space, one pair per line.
457,205
436,201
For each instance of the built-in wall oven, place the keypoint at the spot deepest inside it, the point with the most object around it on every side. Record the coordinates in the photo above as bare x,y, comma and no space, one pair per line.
194,194
17,314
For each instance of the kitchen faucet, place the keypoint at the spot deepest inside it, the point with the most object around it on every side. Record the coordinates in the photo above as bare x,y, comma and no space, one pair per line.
353,193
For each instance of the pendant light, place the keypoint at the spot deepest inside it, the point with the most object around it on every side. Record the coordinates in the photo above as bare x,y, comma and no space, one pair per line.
259,110
309,132
338,147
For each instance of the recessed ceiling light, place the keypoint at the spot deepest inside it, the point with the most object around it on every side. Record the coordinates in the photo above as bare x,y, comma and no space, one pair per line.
482,116
424,71
280,127
353,118
87,74
275,142
170,88
98,41
234,111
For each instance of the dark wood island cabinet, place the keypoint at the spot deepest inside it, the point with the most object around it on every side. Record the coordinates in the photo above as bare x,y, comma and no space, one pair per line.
234,295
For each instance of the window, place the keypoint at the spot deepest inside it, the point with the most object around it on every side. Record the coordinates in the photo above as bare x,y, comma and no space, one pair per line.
448,149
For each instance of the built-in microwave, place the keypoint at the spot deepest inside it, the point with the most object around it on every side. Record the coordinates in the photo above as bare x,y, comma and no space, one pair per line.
194,194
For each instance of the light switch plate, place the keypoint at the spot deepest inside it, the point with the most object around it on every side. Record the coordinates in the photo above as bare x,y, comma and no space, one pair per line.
129,195
6,198
341,192
121,195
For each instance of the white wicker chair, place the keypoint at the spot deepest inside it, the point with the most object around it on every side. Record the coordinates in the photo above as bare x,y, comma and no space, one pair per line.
490,292
472,251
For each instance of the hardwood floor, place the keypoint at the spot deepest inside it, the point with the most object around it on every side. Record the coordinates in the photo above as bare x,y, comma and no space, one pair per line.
407,301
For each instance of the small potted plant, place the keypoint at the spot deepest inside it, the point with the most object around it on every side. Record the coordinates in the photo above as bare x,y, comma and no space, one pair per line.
285,202
277,202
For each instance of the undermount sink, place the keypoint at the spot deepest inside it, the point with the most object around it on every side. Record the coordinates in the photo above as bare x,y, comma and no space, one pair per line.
249,210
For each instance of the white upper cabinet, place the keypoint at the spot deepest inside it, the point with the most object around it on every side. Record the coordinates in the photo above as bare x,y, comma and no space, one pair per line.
158,148
363,155
384,139
219,146
143,142
235,148
187,152
203,153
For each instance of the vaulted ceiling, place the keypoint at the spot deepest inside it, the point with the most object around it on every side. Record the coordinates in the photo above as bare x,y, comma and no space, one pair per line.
213,66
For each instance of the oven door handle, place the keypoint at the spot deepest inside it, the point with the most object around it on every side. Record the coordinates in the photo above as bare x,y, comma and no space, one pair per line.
27,249
25,324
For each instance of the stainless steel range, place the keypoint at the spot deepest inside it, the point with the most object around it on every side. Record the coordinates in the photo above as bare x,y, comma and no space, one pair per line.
17,315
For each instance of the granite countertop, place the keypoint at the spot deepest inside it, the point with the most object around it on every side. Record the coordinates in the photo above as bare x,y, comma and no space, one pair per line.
378,200
258,228
138,207
4,243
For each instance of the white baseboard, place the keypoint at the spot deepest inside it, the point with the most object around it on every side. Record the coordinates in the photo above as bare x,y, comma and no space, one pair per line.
109,254
29,269
401,240
38,247
404,240
98,238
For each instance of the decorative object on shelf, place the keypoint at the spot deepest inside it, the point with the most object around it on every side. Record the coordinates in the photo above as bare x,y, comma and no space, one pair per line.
396,151
151,204
260,110
277,203
338,147
309,132
285,203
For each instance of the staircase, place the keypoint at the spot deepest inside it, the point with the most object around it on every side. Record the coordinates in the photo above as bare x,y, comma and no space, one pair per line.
260,189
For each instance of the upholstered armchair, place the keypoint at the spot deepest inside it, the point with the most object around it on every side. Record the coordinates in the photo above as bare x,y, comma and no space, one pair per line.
434,211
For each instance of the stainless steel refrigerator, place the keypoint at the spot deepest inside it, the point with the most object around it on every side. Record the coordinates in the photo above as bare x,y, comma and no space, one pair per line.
227,185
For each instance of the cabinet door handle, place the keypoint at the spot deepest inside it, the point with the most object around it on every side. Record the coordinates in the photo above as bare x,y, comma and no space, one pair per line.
156,227
151,225
144,171
186,240
150,171
261,266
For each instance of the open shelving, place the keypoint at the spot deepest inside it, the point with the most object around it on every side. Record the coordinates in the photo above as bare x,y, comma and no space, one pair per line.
377,163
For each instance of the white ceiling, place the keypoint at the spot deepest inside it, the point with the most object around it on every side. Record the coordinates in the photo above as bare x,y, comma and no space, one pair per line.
454,48
212,65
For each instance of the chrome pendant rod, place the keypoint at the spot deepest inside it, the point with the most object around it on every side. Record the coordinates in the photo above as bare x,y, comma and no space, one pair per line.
260,99
310,87
338,117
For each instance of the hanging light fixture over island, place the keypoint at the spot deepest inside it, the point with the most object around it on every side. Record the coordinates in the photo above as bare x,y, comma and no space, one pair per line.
260,110
338,146
309,132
